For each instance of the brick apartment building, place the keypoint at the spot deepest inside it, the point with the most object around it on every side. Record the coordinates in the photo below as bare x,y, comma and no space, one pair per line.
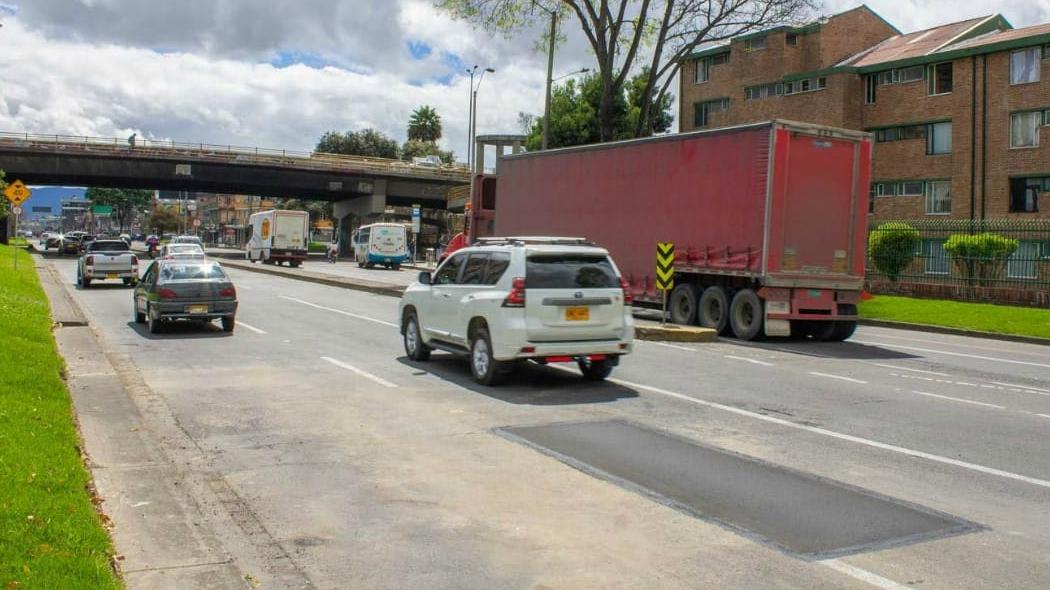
956,110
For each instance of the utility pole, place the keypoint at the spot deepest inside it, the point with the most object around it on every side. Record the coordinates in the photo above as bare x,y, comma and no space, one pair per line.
550,74
470,119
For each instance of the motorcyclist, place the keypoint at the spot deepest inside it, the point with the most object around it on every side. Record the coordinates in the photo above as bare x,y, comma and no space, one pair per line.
153,243
333,250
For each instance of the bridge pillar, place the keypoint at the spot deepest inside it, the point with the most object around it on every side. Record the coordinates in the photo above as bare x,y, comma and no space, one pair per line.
352,212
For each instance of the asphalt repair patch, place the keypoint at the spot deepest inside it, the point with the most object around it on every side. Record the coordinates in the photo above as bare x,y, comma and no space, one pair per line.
801,514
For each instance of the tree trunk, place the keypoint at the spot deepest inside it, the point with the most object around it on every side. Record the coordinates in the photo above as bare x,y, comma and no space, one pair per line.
607,109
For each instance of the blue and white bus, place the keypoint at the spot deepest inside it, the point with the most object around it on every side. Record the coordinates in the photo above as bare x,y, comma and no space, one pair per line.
380,243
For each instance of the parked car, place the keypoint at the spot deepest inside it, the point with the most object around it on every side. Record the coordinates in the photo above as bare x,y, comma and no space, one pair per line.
107,259
184,290
187,240
171,251
507,300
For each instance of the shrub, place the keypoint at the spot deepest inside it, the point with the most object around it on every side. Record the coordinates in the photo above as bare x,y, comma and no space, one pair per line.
891,248
980,256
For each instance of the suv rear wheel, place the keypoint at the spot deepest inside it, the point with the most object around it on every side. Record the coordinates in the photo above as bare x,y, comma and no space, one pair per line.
595,370
486,369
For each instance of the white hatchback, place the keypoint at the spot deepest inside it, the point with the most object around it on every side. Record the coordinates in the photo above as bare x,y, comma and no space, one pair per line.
504,301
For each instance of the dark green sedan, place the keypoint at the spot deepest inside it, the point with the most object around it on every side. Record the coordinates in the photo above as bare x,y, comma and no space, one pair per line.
195,290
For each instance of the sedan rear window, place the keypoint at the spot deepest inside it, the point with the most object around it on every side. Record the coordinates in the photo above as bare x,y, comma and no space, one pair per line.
181,272
570,272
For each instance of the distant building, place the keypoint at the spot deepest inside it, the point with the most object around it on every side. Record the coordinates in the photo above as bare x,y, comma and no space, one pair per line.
957,110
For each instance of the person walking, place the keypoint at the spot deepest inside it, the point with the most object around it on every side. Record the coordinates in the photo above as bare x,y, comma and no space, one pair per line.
131,140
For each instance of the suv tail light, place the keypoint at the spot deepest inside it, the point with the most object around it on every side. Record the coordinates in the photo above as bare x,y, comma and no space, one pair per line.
166,293
516,297
628,298
230,292
90,260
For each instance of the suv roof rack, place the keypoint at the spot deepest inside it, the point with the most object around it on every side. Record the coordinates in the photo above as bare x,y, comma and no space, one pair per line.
523,240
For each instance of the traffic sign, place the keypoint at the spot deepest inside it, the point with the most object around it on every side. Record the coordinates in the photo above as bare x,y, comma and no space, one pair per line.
665,266
415,219
16,210
16,192
196,223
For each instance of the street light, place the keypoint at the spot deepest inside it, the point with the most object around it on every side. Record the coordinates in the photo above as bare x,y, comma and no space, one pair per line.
579,71
473,116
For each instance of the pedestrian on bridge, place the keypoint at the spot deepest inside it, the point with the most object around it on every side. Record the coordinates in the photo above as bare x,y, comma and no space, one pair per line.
131,140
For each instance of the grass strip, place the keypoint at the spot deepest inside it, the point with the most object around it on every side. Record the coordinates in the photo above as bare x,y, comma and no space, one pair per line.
982,317
50,534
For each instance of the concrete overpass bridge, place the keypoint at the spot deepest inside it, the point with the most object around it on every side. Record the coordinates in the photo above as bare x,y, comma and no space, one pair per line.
357,185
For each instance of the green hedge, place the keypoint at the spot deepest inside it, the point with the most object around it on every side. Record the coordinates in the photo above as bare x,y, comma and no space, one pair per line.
892,246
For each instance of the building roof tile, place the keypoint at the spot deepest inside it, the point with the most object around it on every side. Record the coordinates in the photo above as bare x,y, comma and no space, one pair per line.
911,45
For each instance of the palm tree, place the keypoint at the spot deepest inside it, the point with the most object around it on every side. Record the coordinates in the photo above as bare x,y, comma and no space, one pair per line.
425,124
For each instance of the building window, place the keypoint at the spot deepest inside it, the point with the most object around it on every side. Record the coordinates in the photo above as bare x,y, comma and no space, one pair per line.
766,90
940,78
792,39
1024,193
1024,128
939,138
806,85
878,189
912,74
935,258
703,110
871,82
1024,66
902,132
721,58
754,44
1023,262
703,70
887,77
939,197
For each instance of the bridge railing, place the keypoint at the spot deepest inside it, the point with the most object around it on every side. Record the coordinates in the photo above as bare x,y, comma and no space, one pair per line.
228,153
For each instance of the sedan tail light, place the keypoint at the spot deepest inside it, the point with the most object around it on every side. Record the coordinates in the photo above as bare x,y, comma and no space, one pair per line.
90,260
628,297
134,260
516,297
230,292
166,293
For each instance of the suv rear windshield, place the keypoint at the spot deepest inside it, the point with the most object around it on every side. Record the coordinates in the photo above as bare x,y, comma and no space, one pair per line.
109,246
570,271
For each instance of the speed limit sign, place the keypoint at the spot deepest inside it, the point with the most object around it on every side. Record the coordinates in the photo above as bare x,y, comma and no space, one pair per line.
16,210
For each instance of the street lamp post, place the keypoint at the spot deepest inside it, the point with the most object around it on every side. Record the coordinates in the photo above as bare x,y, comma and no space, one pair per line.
474,111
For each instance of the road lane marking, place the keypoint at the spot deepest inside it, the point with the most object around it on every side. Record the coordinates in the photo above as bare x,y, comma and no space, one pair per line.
1028,387
339,311
747,360
998,386
360,372
842,436
909,369
965,345
665,345
862,575
247,327
958,399
963,354
830,376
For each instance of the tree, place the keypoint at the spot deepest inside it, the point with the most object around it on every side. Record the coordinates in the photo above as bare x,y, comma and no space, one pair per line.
317,209
367,142
3,202
626,35
891,247
980,257
162,218
424,125
123,201
415,148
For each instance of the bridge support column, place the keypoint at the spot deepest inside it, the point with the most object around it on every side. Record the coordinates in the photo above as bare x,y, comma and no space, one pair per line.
353,212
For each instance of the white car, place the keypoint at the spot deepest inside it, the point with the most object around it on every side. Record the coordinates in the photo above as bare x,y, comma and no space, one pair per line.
173,251
507,300
187,240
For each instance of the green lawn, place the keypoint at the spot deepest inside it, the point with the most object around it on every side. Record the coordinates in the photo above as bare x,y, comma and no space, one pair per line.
50,534
983,317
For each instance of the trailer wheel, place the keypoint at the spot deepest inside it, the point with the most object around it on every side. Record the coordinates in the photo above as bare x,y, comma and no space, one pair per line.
714,309
746,315
833,331
682,304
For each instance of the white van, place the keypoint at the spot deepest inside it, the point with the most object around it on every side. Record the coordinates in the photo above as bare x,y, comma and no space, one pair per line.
278,236
380,243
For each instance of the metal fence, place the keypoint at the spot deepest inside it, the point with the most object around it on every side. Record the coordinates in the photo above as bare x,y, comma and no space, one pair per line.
920,257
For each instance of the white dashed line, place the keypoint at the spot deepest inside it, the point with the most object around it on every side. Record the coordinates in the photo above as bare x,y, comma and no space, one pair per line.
1028,387
957,399
247,327
360,372
962,354
1044,415
747,360
909,369
339,311
841,436
863,575
830,376
665,345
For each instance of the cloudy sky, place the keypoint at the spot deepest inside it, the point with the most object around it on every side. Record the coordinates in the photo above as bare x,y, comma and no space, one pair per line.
279,74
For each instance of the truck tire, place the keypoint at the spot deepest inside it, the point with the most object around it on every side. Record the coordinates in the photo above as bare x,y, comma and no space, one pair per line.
415,348
747,315
833,331
682,304
713,310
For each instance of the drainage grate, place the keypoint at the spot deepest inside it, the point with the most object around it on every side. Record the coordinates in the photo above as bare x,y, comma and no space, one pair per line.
808,516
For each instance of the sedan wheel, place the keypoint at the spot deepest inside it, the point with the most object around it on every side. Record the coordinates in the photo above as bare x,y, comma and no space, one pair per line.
140,318
154,322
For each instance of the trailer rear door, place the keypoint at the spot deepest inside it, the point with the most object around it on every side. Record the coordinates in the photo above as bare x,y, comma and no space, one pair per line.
815,204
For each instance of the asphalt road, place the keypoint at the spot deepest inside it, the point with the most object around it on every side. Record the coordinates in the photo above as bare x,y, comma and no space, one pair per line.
367,470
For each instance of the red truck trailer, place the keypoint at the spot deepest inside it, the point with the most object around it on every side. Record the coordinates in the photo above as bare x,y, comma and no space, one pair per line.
768,221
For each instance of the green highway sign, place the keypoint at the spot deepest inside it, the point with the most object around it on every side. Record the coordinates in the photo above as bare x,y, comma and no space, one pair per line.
102,209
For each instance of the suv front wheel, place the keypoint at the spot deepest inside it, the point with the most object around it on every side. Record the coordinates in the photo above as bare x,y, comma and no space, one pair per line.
414,346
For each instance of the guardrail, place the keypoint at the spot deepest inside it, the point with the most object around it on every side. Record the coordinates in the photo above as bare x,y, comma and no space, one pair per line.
144,147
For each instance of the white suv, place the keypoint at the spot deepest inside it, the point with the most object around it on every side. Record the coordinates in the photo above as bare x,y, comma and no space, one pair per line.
507,300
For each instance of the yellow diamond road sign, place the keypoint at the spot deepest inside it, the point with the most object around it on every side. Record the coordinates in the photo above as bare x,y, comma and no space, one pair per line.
16,192
665,266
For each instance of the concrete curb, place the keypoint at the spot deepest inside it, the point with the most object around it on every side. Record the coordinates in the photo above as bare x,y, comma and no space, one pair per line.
319,278
954,331
64,309
673,333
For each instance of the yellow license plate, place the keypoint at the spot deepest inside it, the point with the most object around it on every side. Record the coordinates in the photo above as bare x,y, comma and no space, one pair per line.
111,275
577,314
197,309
